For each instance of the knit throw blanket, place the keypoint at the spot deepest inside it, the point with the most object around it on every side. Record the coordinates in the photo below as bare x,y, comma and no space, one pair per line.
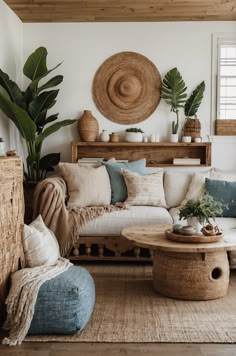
23,295
49,201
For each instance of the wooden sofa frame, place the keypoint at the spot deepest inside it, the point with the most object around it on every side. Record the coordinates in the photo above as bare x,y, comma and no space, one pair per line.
117,248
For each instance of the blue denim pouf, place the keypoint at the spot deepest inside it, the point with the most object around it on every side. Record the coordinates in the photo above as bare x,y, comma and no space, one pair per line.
65,303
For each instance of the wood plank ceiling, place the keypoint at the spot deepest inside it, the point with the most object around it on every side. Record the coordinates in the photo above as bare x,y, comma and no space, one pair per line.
123,10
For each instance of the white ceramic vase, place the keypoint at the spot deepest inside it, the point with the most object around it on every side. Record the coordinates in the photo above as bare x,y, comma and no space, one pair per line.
133,137
174,138
104,136
193,221
2,149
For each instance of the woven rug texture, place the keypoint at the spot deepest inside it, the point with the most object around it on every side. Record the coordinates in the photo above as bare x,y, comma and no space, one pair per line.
127,309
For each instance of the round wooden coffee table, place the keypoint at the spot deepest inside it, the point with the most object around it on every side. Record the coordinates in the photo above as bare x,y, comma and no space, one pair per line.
187,271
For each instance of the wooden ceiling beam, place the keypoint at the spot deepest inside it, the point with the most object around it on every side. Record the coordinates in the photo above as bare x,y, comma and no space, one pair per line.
123,10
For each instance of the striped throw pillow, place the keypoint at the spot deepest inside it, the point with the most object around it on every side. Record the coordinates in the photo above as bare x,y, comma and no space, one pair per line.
145,189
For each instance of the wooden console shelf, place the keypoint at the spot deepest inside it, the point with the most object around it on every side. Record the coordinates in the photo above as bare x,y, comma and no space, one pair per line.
160,154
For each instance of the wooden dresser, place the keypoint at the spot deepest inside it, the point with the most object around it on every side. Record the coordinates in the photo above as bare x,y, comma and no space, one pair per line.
11,223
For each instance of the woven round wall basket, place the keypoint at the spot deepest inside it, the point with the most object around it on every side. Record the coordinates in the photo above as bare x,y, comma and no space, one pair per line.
126,88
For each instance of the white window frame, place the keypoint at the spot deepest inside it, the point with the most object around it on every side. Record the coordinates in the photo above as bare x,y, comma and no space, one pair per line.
218,38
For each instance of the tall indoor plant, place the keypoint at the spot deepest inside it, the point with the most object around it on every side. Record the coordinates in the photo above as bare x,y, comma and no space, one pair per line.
28,110
174,93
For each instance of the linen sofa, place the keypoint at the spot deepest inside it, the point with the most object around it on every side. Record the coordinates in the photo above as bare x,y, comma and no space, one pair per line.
100,237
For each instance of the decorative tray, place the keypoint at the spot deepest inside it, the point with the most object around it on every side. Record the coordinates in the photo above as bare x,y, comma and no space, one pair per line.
170,235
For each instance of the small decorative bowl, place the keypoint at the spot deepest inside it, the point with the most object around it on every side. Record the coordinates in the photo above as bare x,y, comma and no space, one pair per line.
187,230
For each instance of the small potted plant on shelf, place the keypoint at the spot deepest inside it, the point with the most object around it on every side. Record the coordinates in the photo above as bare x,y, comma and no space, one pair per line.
134,135
174,93
198,212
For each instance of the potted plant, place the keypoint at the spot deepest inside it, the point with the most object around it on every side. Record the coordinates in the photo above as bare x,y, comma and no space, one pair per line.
198,212
192,126
28,109
174,93
134,135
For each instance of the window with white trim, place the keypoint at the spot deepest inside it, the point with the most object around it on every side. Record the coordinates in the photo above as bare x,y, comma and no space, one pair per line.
226,79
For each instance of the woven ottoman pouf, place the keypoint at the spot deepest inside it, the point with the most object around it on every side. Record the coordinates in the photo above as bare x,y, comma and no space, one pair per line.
65,303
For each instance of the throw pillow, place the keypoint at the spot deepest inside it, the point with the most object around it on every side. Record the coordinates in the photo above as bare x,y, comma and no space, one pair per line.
196,187
225,192
221,174
118,186
145,189
40,244
87,186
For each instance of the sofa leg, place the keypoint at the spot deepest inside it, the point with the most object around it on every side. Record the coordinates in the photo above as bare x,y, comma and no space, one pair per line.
100,250
136,251
88,249
76,250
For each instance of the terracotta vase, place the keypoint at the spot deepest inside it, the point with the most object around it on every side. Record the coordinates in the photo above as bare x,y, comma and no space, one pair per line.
88,127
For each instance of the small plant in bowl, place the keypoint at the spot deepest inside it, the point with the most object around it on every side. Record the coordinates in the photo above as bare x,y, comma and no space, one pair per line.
134,135
198,212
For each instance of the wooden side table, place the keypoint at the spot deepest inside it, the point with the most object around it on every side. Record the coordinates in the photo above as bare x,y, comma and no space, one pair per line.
186,271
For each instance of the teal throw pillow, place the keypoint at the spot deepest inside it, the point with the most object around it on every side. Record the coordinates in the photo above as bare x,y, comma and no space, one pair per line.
225,192
118,186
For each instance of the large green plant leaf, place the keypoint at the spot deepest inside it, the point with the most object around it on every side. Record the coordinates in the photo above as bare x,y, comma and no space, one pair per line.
51,129
36,64
53,82
51,118
12,89
174,89
35,67
20,117
194,101
42,103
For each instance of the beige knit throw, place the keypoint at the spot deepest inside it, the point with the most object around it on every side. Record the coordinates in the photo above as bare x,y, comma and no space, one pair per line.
23,295
49,201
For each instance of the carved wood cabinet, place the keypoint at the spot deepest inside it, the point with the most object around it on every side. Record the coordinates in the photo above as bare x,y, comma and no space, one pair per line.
11,223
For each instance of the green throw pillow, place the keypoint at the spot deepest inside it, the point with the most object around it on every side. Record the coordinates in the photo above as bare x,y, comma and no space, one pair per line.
118,186
225,192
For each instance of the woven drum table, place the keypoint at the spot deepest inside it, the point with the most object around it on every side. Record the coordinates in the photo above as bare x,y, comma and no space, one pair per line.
188,271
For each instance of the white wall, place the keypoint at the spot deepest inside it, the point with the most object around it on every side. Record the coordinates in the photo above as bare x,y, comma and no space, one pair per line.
83,48
11,45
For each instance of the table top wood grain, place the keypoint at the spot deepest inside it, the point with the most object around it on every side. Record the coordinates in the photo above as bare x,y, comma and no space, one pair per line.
153,236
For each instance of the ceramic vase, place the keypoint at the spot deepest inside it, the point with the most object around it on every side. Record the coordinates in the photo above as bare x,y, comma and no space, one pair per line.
133,137
193,221
2,148
174,138
104,136
88,127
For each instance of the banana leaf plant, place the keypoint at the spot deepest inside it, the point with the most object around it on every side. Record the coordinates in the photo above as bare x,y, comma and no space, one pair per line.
194,101
174,93
29,111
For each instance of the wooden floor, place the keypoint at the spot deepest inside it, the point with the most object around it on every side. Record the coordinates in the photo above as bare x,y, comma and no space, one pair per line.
100,349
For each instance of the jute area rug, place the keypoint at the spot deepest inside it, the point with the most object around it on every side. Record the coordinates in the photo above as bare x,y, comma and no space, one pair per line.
127,309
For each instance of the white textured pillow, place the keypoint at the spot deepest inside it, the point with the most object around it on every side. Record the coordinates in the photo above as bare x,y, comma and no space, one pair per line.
87,186
145,189
219,174
196,187
40,244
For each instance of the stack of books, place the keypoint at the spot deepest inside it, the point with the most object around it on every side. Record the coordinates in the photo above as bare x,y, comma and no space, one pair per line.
187,161
90,160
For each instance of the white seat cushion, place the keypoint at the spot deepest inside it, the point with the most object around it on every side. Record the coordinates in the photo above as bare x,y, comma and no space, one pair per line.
111,224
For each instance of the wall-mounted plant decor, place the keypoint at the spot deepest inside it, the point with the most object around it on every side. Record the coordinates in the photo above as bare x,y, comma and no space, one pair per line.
126,88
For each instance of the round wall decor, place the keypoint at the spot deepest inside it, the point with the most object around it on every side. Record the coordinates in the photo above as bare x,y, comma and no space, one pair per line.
126,88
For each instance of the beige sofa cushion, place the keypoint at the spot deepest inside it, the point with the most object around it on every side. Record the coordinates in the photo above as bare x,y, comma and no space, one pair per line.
87,186
111,224
144,189
196,187
176,185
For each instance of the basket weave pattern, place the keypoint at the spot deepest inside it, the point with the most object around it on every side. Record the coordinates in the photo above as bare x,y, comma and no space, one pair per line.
11,223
